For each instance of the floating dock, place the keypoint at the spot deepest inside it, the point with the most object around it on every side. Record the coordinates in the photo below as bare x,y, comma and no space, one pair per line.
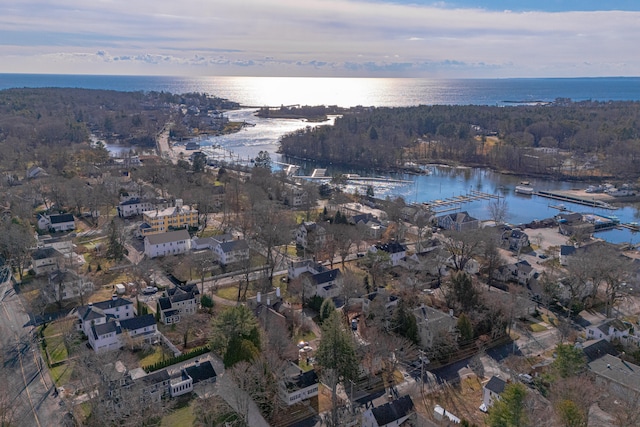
454,203
575,199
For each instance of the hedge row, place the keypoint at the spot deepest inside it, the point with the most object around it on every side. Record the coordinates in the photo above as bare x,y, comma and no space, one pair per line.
173,360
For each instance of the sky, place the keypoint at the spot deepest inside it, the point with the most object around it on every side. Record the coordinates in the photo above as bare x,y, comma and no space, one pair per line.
341,38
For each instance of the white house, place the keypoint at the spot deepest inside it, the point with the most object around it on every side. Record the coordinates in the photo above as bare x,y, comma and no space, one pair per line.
390,414
59,222
608,329
300,386
109,324
311,235
327,284
169,243
66,284
178,301
46,260
522,272
298,268
134,206
232,251
397,251
491,391
431,323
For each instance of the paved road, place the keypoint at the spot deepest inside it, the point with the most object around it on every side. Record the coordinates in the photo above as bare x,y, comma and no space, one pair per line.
25,377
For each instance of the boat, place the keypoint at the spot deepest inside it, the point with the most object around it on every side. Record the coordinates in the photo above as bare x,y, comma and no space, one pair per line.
523,189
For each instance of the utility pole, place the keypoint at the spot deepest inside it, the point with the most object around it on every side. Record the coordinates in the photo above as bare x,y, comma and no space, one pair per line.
422,368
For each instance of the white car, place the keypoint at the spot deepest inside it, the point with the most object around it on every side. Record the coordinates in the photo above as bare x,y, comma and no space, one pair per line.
149,290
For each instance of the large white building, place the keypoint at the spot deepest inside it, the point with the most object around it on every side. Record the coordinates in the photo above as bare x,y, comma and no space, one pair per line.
169,243
111,324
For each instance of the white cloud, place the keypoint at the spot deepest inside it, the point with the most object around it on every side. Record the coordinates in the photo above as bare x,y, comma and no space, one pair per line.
324,37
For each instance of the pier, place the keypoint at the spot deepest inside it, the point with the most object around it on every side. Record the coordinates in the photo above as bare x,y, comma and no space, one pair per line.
454,203
575,199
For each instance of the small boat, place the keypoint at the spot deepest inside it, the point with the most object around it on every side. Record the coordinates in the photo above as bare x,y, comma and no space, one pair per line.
523,189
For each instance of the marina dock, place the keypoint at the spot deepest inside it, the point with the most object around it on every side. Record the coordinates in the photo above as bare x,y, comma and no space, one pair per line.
455,202
575,199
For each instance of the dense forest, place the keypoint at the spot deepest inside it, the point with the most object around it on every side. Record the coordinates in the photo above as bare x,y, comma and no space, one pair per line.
562,139
40,126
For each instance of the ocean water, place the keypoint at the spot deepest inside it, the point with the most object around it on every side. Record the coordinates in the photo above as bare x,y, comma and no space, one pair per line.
347,92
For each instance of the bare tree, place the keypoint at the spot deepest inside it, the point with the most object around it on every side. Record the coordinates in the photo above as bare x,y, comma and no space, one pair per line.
463,246
498,210
351,288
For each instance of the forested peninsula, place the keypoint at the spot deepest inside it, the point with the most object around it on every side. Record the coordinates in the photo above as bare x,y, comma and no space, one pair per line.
49,126
562,139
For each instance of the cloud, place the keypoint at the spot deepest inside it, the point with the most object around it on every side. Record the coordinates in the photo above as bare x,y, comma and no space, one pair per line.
343,37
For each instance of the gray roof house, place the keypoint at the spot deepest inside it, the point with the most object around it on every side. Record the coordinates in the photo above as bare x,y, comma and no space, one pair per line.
390,414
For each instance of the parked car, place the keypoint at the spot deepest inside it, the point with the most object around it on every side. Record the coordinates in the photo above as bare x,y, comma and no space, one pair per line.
150,290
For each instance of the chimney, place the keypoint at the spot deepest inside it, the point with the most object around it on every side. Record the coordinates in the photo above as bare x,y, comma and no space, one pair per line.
259,297
268,301
278,291
451,312
114,297
197,363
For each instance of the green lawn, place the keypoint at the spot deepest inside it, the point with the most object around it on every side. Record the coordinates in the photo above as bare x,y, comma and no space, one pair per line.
181,417
57,349
148,359
61,374
231,293
536,327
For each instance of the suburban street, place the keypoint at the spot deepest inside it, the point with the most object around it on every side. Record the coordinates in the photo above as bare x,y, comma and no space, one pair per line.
26,380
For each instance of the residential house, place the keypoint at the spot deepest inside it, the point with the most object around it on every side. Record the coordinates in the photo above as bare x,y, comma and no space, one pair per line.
566,251
46,260
382,296
327,284
522,272
397,251
299,386
297,268
202,243
460,221
295,195
267,309
67,284
58,222
134,206
516,239
160,221
491,392
595,349
178,301
432,323
169,243
609,329
111,324
621,378
35,172
311,235
390,414
231,252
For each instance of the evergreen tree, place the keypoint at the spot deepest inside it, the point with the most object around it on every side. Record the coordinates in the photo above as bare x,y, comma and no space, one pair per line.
465,328
509,410
115,249
336,356
569,362
326,309
231,329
